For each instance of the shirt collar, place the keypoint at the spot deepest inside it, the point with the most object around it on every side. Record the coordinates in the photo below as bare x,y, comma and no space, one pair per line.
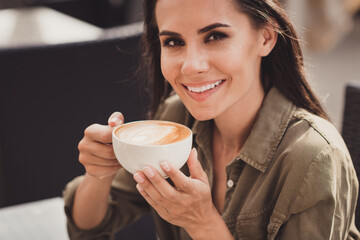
258,150
202,132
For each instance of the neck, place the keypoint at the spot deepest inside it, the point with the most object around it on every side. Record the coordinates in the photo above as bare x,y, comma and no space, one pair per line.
233,127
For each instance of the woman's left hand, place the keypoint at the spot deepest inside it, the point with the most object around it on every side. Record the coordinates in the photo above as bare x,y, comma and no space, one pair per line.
188,204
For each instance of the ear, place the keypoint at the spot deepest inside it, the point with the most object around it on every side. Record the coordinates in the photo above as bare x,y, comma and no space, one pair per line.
268,39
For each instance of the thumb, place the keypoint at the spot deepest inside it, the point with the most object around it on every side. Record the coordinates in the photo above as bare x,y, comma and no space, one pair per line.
116,119
196,171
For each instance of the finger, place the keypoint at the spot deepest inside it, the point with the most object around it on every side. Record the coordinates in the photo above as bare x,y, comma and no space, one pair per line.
116,119
100,133
158,208
180,180
160,184
195,168
86,158
149,188
98,149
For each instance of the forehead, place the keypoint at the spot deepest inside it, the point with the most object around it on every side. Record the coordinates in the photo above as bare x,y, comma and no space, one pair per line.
173,13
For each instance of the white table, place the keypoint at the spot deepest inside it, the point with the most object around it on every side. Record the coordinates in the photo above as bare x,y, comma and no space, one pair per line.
40,220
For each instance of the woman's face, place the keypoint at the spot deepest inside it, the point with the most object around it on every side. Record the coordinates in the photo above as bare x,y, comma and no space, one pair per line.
210,54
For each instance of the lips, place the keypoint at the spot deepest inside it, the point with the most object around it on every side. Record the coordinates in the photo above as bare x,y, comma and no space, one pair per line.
201,91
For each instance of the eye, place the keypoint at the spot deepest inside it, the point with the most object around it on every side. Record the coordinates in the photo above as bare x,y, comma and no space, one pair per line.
173,42
215,36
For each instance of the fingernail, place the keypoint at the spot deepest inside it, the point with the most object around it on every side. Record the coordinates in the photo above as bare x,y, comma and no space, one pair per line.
138,178
165,166
116,120
139,188
195,153
149,172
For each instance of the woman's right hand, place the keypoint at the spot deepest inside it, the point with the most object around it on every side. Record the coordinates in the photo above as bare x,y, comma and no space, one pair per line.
96,151
98,158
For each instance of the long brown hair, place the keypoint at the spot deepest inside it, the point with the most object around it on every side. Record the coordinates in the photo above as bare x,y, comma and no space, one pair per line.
282,68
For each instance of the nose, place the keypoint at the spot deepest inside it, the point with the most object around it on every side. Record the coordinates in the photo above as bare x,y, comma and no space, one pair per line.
195,61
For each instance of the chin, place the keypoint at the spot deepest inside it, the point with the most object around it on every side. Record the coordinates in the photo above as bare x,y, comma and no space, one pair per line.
200,111
202,115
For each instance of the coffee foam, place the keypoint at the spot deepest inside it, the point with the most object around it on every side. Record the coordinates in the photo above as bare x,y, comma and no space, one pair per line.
152,133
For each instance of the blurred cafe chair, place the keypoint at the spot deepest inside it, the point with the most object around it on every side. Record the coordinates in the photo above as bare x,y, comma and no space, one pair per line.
351,130
51,89
58,75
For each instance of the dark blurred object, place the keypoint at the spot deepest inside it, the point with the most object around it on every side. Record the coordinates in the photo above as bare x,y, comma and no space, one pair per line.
48,96
143,229
351,131
102,13
25,3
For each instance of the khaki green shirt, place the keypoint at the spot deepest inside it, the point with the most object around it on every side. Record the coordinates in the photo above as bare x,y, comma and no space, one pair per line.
294,179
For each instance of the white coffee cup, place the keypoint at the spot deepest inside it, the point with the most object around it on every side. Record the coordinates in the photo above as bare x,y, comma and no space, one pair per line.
150,142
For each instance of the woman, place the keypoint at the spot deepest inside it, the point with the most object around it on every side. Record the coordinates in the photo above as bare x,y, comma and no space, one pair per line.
266,162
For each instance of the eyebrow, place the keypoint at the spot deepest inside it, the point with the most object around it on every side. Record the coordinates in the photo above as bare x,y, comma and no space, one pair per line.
211,27
200,31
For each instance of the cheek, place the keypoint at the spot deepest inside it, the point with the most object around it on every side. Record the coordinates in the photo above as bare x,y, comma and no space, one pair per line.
240,61
168,68
163,66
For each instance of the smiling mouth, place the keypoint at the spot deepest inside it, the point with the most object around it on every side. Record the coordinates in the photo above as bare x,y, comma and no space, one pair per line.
204,88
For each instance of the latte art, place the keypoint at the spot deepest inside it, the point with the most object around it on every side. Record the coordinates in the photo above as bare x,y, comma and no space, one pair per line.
152,132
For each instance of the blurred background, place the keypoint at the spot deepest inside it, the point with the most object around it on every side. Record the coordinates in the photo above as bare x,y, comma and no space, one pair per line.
65,64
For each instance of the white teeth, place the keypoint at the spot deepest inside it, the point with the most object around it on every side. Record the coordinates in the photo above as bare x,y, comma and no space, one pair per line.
203,88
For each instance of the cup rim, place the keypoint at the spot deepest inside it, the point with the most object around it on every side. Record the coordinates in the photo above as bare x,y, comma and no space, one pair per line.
151,146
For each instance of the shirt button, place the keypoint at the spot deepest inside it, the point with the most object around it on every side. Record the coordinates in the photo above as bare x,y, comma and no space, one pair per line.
230,183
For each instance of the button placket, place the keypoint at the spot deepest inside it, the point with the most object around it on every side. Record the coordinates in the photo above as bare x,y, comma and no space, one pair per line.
229,170
233,172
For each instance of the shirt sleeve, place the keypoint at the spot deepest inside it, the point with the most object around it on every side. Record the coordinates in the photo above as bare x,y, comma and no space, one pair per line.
125,206
325,204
